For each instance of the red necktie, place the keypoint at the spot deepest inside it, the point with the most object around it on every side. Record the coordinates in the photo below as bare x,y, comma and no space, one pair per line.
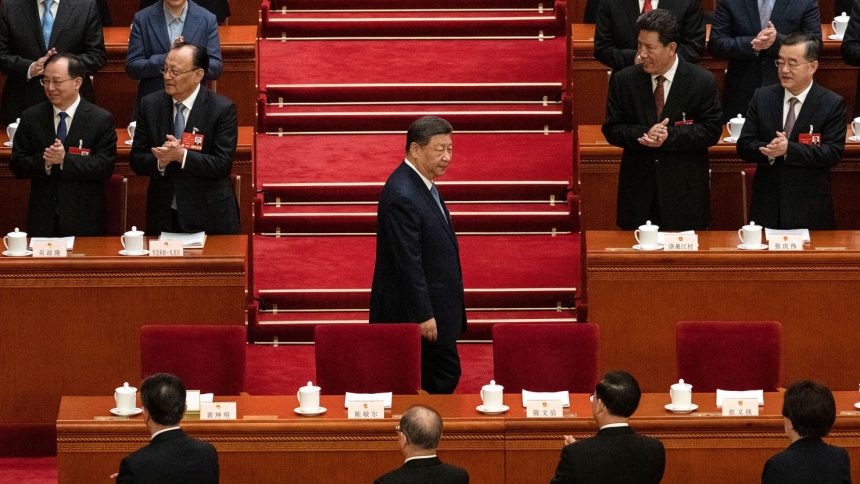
646,6
659,97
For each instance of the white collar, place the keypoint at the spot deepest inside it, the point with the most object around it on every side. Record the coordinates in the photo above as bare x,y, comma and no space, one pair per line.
423,178
670,74
189,101
609,426
71,109
800,97
163,431
420,457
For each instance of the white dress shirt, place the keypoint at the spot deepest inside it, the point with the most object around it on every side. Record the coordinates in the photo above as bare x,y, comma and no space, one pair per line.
667,83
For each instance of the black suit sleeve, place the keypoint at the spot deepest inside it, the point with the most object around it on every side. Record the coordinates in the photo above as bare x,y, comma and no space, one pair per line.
749,142
851,41
219,162
564,469
141,159
125,475
11,62
99,164
706,128
810,22
693,33
93,54
722,44
617,130
27,153
604,40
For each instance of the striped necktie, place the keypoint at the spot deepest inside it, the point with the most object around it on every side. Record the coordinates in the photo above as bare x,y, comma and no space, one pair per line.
47,23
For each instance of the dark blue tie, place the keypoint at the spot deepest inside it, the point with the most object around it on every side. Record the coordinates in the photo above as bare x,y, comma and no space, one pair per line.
61,128
435,194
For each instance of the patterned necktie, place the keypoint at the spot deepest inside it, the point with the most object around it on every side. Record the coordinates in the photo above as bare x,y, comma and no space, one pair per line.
435,194
790,118
47,23
646,6
659,97
61,128
765,7
179,121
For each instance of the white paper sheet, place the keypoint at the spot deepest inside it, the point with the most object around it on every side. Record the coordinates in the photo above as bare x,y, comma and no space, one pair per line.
563,396
191,241
661,236
70,241
722,394
367,397
775,232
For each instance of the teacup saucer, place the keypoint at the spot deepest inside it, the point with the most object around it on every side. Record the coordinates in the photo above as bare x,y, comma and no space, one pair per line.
492,410
674,409
311,413
120,413
854,139
129,142
639,247
125,252
7,144
857,405
755,247
730,139
8,253
834,37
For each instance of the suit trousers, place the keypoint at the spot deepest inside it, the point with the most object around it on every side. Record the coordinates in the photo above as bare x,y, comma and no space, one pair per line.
440,367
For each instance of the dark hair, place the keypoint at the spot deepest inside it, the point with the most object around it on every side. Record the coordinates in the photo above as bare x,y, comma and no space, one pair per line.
422,427
619,391
810,407
76,67
163,396
813,44
661,21
425,128
199,57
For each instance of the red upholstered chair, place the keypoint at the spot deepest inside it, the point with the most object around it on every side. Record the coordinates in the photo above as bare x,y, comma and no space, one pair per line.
709,352
566,354
206,358
368,358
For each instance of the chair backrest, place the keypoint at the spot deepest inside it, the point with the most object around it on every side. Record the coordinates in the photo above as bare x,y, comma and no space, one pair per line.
566,354
709,351
116,205
368,358
206,358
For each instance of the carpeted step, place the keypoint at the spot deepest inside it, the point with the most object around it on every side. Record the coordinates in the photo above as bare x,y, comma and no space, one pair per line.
353,168
329,5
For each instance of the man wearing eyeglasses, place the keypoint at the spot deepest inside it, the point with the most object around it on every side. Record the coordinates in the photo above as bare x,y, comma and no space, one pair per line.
67,148
185,141
158,27
794,133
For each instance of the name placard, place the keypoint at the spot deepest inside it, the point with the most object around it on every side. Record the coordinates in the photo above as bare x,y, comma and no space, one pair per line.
192,401
740,407
544,409
680,242
785,242
165,248
218,411
45,248
365,409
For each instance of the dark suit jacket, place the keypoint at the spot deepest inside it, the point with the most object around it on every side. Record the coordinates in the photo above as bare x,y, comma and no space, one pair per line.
149,43
808,460
425,471
204,195
73,195
851,47
616,34
221,8
794,192
77,30
614,455
735,25
171,457
417,274
677,172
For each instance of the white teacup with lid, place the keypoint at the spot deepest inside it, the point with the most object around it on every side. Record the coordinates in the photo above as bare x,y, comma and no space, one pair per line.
735,126
309,398
493,396
11,128
646,235
840,24
750,236
131,127
681,394
125,398
855,127
132,241
16,242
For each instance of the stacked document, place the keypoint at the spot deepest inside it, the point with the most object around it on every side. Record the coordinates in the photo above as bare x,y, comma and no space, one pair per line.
367,397
70,241
532,396
723,394
768,233
189,241
661,236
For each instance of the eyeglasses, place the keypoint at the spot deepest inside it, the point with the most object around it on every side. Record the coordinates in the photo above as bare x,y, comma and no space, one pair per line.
172,72
55,82
791,65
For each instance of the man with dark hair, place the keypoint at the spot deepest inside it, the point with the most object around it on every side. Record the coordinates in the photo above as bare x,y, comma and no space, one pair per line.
809,411
67,148
615,30
794,133
417,276
418,436
30,33
749,33
616,454
171,456
185,141
664,114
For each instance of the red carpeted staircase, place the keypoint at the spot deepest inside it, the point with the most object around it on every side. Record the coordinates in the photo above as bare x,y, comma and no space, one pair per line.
340,82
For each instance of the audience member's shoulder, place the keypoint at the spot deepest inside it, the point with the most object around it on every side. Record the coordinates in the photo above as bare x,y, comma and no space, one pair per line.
458,474
629,72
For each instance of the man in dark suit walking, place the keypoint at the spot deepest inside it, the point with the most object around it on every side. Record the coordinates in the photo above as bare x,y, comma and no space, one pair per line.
185,141
617,454
171,456
29,35
664,113
749,33
615,38
418,276
418,436
794,133
67,148
809,411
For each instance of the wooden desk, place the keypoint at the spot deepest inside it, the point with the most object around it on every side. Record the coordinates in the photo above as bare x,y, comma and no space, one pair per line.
702,447
590,78
599,164
14,193
812,293
70,326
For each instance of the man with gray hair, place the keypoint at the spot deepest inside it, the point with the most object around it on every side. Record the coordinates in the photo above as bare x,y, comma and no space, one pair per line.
418,436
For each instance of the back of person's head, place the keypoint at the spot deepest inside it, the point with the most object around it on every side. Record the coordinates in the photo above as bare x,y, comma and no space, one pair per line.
422,427
163,396
813,45
810,407
199,56
663,22
425,128
619,392
76,66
